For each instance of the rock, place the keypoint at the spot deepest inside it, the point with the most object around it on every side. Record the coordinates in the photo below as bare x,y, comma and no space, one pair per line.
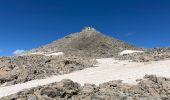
32,97
51,92
67,84
149,88
166,86
153,92
19,69
88,88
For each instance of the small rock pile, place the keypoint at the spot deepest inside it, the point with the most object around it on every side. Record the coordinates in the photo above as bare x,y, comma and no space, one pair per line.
19,69
149,88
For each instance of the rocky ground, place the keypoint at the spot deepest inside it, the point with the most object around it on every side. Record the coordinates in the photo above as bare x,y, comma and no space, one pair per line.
19,69
149,88
155,54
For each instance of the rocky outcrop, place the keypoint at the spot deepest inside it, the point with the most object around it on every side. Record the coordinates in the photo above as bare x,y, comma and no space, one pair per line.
149,88
155,54
19,69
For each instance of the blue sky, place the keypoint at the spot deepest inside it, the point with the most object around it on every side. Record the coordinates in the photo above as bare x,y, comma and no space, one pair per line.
26,24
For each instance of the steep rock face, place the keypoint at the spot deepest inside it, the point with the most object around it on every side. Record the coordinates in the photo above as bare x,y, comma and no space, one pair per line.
88,42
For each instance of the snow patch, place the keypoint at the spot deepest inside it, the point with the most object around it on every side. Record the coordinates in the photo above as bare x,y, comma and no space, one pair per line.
36,53
130,51
46,54
55,54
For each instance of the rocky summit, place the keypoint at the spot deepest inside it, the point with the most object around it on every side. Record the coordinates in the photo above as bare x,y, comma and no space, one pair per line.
89,42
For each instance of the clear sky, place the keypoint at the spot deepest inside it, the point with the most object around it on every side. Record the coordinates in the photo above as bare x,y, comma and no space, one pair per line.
26,24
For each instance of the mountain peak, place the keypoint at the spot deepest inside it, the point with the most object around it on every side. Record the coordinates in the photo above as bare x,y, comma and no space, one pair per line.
89,29
89,42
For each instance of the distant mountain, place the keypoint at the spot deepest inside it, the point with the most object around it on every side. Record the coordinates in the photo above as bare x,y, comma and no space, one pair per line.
88,42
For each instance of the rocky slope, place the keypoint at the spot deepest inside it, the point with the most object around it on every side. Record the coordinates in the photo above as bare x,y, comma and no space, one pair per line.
154,54
89,43
149,88
19,69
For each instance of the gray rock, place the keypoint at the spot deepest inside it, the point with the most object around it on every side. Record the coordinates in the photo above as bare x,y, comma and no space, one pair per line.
32,67
88,89
32,97
146,89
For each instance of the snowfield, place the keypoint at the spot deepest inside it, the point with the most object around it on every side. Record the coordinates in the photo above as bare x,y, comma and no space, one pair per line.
55,54
129,52
106,70
45,54
37,53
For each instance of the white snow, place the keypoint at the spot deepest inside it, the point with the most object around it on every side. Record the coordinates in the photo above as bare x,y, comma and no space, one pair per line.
129,52
46,54
55,54
36,53
106,70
